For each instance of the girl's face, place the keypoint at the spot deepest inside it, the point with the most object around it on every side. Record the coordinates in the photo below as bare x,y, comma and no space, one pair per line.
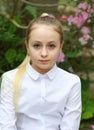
43,47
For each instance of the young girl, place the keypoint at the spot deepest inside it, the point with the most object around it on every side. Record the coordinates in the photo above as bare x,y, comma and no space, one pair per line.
38,95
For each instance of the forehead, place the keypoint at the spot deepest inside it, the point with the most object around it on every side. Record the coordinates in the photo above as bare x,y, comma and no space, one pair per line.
43,26
41,30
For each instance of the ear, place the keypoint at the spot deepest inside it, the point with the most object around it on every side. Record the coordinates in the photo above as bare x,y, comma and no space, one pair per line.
61,45
26,45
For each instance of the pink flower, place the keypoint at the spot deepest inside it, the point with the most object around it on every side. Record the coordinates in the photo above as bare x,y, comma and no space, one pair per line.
87,37
82,41
85,30
89,9
70,20
92,126
85,15
61,57
92,0
89,20
92,9
93,45
83,5
63,18
79,20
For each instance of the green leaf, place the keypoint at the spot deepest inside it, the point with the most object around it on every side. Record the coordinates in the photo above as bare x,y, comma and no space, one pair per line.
32,11
84,84
90,107
17,19
10,55
20,56
12,29
71,54
87,115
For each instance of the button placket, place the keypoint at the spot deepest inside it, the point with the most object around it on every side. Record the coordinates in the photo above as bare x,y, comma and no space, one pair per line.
43,94
43,91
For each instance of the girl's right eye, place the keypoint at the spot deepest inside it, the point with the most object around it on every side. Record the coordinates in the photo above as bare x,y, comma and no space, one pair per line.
36,45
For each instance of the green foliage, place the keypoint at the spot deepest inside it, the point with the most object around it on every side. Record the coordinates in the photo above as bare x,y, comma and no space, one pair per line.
10,55
11,50
32,11
87,103
78,50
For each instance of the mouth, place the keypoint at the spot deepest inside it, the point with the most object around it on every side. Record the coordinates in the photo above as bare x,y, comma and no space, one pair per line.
44,61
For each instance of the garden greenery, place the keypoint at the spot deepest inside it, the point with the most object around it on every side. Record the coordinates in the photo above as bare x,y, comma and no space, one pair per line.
78,47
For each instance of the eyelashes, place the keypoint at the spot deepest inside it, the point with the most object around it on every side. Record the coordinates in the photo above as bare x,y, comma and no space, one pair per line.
49,46
36,46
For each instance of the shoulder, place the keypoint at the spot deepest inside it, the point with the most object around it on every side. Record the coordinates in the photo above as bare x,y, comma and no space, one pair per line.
9,74
67,76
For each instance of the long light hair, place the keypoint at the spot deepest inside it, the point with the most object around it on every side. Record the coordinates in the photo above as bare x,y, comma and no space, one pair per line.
18,79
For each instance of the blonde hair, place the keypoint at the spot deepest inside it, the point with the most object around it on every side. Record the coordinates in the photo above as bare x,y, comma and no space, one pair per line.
44,19
18,78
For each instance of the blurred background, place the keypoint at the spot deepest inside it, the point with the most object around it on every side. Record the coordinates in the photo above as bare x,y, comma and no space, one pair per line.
77,18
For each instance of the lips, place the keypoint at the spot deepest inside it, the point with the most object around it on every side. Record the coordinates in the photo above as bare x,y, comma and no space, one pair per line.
44,61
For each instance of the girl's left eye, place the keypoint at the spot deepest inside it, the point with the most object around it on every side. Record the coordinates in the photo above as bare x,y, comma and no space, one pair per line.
51,46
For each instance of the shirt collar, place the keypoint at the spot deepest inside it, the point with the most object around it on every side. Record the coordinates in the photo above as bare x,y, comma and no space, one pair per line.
52,73
35,75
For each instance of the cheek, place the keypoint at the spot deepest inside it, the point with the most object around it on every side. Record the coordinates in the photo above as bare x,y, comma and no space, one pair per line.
29,49
33,54
55,54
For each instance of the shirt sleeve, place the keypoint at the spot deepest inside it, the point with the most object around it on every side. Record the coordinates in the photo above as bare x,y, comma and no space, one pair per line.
72,114
7,108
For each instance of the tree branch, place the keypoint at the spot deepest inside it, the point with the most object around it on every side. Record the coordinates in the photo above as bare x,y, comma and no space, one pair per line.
41,5
6,15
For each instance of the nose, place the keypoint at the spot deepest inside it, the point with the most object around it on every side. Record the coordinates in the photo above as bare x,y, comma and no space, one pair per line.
44,52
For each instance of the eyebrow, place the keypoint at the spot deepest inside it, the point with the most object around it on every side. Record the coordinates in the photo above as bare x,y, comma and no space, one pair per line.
41,41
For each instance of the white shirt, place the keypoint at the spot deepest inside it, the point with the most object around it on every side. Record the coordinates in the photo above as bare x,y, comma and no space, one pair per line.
46,102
